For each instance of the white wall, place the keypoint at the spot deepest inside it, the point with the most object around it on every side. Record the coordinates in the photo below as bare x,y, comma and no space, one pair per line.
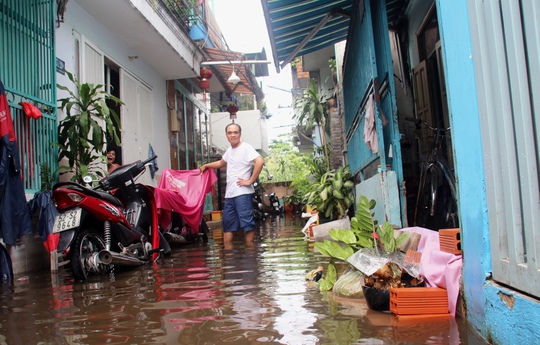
254,130
80,21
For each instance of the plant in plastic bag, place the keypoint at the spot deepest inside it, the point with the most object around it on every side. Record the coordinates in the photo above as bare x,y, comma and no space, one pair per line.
349,284
364,232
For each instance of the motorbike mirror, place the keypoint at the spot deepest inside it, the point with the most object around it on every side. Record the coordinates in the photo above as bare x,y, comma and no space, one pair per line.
270,176
87,179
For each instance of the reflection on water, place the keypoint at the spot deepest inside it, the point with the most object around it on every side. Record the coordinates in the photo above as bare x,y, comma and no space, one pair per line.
209,294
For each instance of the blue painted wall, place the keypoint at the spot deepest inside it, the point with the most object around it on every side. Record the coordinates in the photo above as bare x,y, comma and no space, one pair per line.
501,315
466,139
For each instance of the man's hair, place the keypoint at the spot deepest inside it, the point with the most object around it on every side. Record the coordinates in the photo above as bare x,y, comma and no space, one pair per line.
235,124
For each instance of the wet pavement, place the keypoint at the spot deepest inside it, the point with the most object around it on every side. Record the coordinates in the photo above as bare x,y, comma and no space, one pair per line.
209,294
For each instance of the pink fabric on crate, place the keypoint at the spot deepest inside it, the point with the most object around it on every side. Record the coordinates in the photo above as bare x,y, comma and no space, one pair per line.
183,192
439,269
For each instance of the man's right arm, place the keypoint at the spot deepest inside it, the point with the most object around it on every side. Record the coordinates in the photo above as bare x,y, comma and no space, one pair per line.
213,165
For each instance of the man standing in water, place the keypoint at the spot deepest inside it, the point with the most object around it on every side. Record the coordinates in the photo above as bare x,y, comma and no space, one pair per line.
238,208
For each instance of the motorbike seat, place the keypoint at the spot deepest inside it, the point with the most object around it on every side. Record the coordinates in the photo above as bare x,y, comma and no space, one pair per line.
109,198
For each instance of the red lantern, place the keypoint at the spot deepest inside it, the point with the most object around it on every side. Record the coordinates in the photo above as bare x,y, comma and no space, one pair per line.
204,82
205,73
232,109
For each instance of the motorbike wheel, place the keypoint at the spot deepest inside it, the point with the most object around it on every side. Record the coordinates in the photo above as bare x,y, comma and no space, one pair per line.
84,252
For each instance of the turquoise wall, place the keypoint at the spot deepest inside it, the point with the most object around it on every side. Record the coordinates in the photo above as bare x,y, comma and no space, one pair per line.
467,143
501,315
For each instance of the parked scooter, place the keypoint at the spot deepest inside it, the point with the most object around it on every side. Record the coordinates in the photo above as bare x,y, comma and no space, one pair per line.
258,207
112,224
275,206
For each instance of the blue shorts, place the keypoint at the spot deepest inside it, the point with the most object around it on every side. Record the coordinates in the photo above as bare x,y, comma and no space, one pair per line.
238,213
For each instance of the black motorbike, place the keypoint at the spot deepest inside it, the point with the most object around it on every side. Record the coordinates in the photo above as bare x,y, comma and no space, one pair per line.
275,206
258,206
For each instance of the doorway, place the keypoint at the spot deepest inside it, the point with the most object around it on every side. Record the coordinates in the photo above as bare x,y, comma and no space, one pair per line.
112,86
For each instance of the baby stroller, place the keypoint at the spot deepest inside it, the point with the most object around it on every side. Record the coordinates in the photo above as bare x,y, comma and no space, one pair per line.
180,197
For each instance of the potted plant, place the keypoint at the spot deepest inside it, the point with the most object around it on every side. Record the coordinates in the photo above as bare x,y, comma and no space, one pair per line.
366,237
332,194
82,133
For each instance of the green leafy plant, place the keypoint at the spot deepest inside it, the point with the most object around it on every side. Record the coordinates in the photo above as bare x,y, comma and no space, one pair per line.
364,232
295,62
330,278
83,131
46,176
310,110
332,64
333,194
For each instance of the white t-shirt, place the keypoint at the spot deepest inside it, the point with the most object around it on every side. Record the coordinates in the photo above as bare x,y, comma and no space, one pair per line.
239,162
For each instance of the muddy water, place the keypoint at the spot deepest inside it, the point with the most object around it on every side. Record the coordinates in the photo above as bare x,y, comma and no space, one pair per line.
209,294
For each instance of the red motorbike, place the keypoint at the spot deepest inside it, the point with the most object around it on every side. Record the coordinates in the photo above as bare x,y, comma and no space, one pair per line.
112,224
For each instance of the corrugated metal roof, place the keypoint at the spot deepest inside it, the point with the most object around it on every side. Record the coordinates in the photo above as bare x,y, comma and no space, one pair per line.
299,27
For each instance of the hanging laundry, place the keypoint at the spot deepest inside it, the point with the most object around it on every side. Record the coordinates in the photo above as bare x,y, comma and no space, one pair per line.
32,112
42,202
183,192
15,219
370,132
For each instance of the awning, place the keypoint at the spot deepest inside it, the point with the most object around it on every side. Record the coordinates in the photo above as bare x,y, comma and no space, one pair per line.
299,27
248,83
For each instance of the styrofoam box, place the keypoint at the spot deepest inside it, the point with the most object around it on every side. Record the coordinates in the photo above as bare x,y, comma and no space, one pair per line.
321,232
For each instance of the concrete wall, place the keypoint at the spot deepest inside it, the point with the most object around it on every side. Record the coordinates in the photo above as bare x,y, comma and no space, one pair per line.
254,129
76,19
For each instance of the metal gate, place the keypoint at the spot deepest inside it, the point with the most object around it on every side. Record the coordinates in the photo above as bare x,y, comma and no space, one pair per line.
506,52
28,73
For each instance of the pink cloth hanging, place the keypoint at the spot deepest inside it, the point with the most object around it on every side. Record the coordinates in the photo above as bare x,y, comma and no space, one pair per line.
183,192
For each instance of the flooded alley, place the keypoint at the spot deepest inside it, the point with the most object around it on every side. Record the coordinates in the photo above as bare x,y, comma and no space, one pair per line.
209,294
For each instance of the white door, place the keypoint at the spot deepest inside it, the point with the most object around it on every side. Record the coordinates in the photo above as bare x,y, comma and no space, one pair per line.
137,121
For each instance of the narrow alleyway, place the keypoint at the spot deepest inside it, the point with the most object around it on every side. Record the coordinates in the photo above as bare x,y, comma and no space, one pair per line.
208,294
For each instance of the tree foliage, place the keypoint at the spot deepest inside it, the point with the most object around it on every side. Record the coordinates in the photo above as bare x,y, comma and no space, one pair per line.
285,162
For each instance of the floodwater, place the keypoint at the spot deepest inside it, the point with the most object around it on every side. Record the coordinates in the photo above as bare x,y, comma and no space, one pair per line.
208,294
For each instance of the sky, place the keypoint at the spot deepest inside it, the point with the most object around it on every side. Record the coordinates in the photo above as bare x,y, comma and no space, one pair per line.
249,37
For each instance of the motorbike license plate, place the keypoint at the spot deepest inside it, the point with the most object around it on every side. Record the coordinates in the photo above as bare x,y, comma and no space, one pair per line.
275,204
67,220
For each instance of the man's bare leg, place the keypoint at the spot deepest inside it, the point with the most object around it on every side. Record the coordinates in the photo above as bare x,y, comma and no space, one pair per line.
250,236
228,236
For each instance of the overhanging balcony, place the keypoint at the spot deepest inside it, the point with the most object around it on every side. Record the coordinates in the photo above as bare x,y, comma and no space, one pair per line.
151,30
